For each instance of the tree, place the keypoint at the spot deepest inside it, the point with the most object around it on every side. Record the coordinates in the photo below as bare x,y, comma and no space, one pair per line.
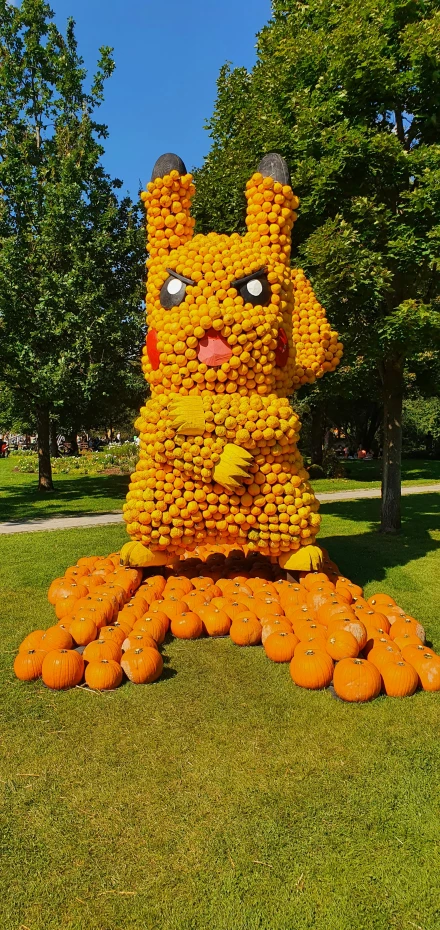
71,251
349,92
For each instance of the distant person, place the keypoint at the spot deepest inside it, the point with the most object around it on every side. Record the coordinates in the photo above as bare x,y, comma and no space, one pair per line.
361,453
118,437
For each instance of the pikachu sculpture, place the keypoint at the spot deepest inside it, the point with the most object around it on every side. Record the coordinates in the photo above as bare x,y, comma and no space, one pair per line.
232,332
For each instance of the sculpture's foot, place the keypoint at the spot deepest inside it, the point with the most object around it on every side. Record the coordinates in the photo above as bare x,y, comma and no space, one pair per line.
135,555
305,559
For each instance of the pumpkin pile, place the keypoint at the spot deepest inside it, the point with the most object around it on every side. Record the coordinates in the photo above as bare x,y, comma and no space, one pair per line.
111,622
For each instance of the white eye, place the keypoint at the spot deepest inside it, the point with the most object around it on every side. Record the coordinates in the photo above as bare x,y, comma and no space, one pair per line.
255,287
174,286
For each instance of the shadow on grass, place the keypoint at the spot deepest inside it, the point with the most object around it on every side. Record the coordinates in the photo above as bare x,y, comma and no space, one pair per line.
412,470
368,555
70,497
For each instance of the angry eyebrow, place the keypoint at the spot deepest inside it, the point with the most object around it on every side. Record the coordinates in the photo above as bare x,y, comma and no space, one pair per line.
249,277
175,274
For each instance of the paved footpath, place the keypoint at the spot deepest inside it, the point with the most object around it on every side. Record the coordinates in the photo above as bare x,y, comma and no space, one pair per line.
103,519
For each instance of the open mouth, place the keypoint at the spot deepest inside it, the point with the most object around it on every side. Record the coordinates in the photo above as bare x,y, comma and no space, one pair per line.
213,349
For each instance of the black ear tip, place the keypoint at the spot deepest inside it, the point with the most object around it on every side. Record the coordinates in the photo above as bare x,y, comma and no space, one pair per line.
275,166
167,163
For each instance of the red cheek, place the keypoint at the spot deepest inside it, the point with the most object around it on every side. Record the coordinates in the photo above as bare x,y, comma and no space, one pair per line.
152,352
282,349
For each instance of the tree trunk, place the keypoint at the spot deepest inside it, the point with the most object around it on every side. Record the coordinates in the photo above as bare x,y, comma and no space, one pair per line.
373,426
44,466
392,379
317,434
54,450
72,438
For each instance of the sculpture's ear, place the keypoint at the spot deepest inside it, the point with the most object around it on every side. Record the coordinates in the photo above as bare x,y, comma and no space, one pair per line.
271,205
168,203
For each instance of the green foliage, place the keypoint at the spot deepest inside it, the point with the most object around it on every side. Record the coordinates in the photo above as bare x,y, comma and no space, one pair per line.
349,93
71,250
118,460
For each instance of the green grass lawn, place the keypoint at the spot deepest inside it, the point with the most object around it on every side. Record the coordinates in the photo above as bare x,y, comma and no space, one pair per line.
21,500
222,796
368,475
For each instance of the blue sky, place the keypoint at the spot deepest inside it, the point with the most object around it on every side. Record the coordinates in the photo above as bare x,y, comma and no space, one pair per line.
168,54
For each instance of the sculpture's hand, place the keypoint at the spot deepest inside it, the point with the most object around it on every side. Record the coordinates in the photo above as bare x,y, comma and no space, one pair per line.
188,415
233,466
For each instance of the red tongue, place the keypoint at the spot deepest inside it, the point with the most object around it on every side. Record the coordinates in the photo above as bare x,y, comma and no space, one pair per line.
213,349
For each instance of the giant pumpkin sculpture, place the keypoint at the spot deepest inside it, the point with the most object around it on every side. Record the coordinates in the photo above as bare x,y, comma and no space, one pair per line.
232,331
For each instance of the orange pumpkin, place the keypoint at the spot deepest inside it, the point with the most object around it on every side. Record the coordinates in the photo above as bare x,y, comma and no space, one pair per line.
371,619
312,669
377,599
356,680
103,674
133,611
65,605
381,653
55,638
96,612
355,589
187,626
107,602
334,610
305,629
276,625
342,645
408,639
280,646
400,627
172,607
374,639
310,579
142,665
70,588
318,596
88,560
114,633
180,584
194,600
353,626
31,641
28,664
215,622
62,668
83,631
245,630
300,615
134,640
400,679
92,582
155,626
75,572
413,654
102,649
344,592
428,670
